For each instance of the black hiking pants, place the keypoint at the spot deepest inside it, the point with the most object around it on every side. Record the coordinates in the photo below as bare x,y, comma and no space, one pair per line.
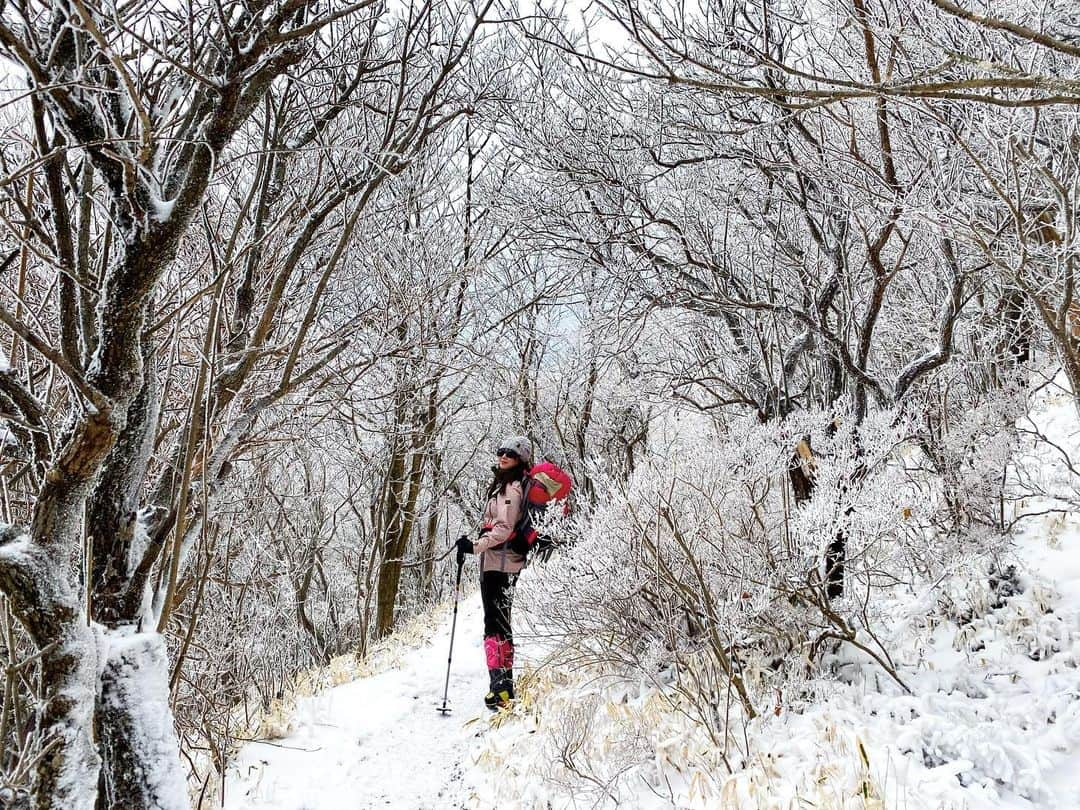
497,595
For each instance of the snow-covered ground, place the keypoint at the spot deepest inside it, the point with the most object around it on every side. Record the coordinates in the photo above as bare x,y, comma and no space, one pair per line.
378,742
991,656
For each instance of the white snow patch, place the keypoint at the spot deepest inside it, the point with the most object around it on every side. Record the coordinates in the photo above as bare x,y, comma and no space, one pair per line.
139,684
19,547
162,209
377,742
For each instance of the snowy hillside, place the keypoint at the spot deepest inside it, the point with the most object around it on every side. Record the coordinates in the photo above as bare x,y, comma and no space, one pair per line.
992,719
991,657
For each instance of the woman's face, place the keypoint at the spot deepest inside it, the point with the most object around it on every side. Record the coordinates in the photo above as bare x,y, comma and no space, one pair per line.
507,459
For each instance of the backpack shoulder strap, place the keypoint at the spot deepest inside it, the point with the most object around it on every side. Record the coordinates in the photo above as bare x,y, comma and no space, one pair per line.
524,522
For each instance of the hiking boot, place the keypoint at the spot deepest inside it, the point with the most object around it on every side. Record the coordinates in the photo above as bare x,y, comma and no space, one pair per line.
502,689
500,699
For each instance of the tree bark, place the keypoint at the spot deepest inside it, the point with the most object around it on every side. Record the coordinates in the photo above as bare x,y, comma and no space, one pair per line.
136,738
53,615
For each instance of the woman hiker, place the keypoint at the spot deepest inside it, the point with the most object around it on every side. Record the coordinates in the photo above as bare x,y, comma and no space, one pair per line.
500,564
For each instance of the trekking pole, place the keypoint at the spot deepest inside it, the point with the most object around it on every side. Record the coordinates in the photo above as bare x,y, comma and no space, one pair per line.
444,709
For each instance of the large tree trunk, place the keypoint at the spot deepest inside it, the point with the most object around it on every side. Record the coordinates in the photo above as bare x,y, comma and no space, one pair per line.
67,774
404,492
113,505
431,530
389,575
136,737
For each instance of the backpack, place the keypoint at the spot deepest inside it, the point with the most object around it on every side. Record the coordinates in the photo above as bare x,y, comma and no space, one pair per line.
545,484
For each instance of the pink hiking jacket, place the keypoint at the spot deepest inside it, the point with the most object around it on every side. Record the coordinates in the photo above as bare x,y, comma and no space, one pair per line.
501,514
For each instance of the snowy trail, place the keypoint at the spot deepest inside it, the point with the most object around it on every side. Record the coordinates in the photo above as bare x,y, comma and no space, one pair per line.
376,742
992,719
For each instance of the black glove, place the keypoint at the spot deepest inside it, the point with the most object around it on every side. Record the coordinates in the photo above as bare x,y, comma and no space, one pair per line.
464,546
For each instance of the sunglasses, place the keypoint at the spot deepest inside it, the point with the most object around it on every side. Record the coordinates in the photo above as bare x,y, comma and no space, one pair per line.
506,451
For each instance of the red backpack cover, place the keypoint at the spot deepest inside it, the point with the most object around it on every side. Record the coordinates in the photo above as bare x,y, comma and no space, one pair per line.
546,484
549,483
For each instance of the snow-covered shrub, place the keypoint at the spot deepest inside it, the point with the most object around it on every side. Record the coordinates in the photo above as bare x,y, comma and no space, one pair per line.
701,566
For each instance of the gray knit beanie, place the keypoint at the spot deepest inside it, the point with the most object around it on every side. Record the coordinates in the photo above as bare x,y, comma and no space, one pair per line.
520,445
